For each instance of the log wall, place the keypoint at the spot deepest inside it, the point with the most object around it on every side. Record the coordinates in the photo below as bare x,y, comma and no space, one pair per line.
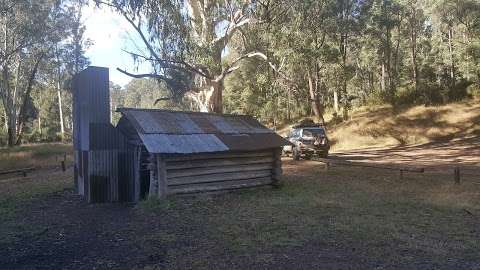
217,171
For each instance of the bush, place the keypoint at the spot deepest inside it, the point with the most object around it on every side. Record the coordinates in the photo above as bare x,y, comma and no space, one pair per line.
459,91
474,90
430,93
3,138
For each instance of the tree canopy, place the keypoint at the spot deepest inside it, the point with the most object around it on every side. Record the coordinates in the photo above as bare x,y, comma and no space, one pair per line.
278,60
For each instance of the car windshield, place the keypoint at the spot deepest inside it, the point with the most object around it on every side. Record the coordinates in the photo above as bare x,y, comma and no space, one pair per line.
312,132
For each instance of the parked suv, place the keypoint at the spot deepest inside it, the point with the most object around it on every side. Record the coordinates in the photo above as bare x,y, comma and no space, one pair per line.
307,141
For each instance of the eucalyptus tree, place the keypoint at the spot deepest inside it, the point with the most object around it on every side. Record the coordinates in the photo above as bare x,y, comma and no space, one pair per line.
385,20
350,23
456,25
25,28
67,55
301,39
184,41
29,32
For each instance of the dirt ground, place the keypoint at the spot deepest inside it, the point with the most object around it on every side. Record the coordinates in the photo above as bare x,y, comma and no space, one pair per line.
441,156
343,218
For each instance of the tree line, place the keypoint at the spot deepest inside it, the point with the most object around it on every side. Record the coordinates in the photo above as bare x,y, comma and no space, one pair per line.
278,60
42,46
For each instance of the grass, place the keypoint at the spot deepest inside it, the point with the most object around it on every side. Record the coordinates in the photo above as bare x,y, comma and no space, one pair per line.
34,155
368,216
16,196
421,218
386,126
17,193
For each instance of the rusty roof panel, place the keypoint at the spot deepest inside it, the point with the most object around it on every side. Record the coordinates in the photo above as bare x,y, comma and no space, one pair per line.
190,132
204,123
249,142
221,124
146,122
173,122
182,144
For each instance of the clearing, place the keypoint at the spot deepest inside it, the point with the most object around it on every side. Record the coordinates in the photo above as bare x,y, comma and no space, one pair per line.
343,218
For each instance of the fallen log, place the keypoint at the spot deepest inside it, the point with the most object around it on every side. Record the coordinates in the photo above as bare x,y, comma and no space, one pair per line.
22,171
359,164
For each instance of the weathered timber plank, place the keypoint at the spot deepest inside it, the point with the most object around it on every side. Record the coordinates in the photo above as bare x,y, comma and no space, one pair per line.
219,155
218,177
161,177
137,162
277,166
216,186
216,162
153,190
219,169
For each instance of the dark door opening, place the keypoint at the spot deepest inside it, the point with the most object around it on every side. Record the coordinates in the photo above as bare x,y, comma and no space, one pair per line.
144,183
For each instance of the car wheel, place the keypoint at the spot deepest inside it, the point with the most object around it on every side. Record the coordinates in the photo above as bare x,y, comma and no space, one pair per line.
308,156
295,154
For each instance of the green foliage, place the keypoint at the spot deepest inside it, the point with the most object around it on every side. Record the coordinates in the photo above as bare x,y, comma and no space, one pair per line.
43,46
324,55
400,52
142,93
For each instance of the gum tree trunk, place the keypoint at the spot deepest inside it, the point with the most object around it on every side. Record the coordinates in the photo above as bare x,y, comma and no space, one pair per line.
315,100
60,111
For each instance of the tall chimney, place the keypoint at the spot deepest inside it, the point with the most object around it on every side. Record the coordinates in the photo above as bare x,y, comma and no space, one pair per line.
91,105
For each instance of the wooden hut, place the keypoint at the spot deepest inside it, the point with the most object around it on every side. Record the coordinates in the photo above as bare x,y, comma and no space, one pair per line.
154,153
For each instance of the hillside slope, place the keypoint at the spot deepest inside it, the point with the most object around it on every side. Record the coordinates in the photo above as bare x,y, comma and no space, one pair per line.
383,126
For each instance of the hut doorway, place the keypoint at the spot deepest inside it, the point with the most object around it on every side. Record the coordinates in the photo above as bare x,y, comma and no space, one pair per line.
144,174
144,183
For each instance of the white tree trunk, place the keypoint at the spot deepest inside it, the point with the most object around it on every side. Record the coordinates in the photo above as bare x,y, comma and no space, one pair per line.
335,101
382,81
452,57
39,124
60,111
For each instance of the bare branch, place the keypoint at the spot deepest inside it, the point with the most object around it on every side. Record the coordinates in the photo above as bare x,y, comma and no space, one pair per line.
155,56
233,66
161,99
172,64
144,75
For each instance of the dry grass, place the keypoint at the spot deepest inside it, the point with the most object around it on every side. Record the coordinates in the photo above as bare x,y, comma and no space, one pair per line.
354,217
384,126
34,155
365,213
16,193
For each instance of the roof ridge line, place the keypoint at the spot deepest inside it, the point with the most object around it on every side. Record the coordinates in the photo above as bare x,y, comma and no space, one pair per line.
173,111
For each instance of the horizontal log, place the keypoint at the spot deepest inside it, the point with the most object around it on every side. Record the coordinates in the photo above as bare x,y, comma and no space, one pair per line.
218,177
217,155
217,162
218,169
359,164
23,170
232,185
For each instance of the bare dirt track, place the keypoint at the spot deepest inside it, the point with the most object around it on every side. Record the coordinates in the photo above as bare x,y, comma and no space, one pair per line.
438,156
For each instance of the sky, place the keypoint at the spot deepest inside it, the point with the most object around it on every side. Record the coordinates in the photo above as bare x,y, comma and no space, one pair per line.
110,33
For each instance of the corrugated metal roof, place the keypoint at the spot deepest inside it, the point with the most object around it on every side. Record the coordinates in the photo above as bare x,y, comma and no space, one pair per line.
164,131
182,144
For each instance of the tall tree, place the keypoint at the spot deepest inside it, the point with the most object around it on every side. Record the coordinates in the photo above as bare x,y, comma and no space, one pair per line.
185,40
31,30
